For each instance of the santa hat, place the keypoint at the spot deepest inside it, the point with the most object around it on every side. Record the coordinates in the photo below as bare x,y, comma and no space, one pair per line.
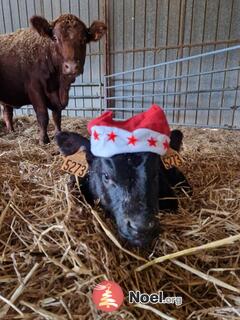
145,132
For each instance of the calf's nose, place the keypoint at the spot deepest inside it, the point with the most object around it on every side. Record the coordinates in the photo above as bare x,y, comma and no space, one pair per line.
137,226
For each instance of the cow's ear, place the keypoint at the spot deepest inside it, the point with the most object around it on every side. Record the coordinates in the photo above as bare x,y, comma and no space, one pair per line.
96,31
70,142
42,26
176,138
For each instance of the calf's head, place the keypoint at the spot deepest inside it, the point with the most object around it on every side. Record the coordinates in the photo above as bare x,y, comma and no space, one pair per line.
127,186
70,37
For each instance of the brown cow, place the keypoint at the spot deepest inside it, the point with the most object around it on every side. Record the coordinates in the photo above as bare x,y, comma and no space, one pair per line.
38,65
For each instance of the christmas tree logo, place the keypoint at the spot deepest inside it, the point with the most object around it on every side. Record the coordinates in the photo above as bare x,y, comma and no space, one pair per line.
107,296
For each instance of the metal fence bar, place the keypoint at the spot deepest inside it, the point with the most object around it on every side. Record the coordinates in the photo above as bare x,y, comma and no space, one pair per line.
231,109
201,61
172,78
172,108
173,93
182,22
213,64
171,47
188,65
235,107
223,91
85,97
226,63
75,101
206,54
85,84
194,125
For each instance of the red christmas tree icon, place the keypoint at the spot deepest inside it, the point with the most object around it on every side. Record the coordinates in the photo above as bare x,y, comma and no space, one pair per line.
107,300
107,296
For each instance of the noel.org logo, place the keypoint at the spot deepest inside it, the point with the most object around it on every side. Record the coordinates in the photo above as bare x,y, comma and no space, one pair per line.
107,296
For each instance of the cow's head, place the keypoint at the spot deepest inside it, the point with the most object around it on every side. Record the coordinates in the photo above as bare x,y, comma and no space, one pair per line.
127,186
70,37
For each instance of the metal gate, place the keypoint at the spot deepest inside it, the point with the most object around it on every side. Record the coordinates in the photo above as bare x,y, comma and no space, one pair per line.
207,98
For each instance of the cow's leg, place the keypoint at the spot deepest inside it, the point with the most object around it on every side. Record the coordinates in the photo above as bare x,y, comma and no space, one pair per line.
43,120
57,115
37,99
8,117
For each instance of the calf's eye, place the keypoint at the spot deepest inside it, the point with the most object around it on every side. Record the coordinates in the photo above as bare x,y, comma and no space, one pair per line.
105,177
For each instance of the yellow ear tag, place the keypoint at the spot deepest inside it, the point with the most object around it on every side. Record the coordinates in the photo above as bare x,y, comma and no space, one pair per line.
172,159
76,164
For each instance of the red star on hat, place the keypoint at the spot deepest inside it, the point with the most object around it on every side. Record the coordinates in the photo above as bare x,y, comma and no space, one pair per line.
112,136
165,145
95,135
152,142
132,140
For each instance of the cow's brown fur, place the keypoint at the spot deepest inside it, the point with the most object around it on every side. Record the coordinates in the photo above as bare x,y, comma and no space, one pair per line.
25,44
38,65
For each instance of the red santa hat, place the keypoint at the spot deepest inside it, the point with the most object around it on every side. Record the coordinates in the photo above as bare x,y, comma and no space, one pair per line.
145,132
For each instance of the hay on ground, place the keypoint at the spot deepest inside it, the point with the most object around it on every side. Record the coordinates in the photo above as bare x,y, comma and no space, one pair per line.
54,248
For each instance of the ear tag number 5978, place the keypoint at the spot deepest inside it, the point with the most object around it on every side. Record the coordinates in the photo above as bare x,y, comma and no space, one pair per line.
172,159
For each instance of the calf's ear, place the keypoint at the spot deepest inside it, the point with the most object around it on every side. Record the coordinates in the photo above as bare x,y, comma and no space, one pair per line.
71,142
96,31
42,26
176,138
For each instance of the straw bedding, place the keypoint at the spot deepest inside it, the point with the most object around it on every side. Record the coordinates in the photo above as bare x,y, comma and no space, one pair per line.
55,248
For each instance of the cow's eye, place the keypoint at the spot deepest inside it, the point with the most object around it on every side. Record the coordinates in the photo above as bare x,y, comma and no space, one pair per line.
105,177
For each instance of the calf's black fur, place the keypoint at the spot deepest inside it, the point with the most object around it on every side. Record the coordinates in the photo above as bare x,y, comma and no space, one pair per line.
133,187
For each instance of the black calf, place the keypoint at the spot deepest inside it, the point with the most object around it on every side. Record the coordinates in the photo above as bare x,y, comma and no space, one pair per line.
133,187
